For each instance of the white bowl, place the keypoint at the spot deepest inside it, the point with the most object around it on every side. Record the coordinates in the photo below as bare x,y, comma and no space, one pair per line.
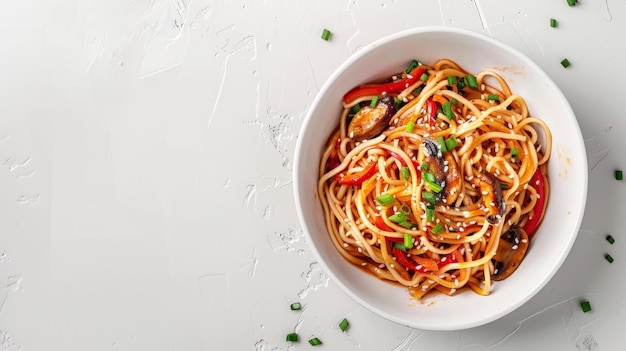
567,171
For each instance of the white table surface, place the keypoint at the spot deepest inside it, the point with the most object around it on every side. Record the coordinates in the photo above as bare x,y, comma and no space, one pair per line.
146,154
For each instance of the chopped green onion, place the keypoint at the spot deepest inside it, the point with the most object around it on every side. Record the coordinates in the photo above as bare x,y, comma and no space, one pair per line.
408,241
452,80
326,34
610,239
453,101
399,246
434,186
442,144
374,102
429,177
471,81
343,325
430,213
437,229
356,108
608,258
619,175
410,126
315,342
385,199
493,97
447,110
404,171
552,22
292,337
514,152
565,63
586,306
424,77
424,167
461,84
572,2
412,66
407,224
398,102
295,306
451,143
418,90
504,186
428,197
398,217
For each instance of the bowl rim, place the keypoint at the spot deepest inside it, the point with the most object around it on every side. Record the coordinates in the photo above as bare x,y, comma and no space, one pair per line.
308,120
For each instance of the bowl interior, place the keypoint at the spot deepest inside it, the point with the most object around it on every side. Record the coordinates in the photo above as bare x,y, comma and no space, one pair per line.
567,174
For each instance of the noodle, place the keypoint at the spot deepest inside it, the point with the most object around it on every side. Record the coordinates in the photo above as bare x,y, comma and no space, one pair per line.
445,188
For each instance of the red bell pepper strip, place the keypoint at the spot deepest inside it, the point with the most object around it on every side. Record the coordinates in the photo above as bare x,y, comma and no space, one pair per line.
538,182
388,88
399,158
333,158
379,222
407,262
358,177
431,109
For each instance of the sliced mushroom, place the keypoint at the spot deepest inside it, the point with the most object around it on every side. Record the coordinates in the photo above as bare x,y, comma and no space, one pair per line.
491,191
446,171
511,251
370,122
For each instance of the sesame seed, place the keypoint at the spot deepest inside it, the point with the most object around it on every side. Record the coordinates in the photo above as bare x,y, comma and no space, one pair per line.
351,134
363,264
456,282
514,247
391,266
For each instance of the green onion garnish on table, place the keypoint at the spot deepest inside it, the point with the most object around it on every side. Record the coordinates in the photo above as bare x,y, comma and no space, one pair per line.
608,258
565,63
295,306
292,337
343,325
585,306
610,239
326,34
315,341
619,175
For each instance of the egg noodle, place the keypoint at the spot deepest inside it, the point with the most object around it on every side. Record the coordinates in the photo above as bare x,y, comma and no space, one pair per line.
450,191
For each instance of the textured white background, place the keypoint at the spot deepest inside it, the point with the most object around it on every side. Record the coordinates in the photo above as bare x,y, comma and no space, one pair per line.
146,152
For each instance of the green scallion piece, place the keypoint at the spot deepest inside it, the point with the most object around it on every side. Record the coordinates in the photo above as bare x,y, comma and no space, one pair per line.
493,97
572,2
385,199
447,110
315,342
619,174
408,241
442,144
430,213
343,325
424,167
514,152
553,23
451,143
565,63
412,66
410,126
292,337
424,77
326,34
610,239
406,224
586,306
295,306
428,197
405,172
398,217
398,102
356,108
418,90
429,177
452,80
438,228
504,186
399,246
471,81
434,186
461,84
374,102
608,258
453,101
